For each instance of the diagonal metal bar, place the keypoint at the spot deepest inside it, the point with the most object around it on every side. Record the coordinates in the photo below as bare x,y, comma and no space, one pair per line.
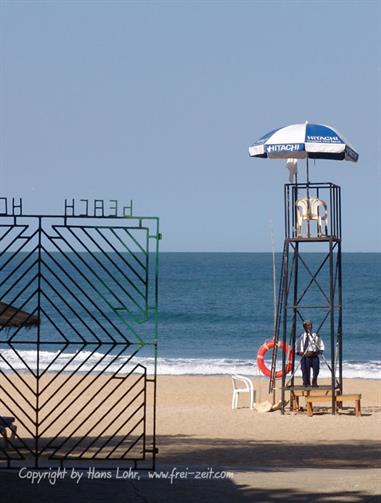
122,440
127,248
26,365
313,278
96,454
142,420
20,292
91,382
133,445
143,250
71,377
87,387
71,309
107,440
101,419
88,384
52,362
3,236
26,240
57,328
19,265
12,411
109,273
19,375
94,304
16,390
6,328
78,315
127,251
323,321
121,318
116,251
12,457
21,307
68,437
63,369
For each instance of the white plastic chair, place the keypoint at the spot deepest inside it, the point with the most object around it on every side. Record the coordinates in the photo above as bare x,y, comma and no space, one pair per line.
242,384
308,209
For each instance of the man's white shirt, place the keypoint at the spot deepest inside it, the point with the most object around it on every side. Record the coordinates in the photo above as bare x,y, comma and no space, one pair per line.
314,343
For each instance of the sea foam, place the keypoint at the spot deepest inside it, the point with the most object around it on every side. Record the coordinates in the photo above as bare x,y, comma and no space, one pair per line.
96,362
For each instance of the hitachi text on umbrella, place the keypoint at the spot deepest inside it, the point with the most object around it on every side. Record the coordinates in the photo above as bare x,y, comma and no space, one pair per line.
324,139
280,148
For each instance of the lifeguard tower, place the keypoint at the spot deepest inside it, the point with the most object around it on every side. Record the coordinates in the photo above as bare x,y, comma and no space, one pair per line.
310,284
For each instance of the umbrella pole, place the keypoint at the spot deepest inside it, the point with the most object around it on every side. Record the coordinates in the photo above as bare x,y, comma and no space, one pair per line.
308,200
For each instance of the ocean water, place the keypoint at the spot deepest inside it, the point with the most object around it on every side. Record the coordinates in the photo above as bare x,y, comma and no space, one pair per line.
216,309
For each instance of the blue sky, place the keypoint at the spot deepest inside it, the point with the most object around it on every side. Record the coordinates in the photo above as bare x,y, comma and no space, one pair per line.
159,101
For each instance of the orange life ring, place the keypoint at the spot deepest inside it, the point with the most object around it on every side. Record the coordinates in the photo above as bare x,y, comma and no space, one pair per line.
261,358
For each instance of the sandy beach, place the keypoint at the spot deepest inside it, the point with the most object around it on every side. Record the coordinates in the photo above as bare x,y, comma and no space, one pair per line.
258,457
290,452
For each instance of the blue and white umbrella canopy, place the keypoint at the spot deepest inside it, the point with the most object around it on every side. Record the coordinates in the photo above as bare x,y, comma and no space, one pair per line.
314,141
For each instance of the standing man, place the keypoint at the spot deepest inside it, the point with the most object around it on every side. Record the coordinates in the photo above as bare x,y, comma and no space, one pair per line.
309,345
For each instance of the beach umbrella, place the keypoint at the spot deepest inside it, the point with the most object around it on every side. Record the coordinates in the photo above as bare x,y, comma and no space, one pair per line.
304,141
12,317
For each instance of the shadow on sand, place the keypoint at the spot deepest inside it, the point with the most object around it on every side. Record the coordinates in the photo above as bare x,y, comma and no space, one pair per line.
249,458
268,455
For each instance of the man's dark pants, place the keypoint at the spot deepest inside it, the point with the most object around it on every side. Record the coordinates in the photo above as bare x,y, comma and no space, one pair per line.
306,363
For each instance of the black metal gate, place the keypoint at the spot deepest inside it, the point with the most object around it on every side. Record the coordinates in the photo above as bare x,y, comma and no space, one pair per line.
80,383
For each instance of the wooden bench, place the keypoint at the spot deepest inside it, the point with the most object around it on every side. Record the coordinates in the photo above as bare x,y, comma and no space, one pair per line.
310,400
296,394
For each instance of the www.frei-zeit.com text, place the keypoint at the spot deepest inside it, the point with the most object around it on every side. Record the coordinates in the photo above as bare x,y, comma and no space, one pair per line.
54,475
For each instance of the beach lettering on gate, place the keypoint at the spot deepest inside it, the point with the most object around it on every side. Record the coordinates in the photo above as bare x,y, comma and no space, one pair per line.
10,206
96,208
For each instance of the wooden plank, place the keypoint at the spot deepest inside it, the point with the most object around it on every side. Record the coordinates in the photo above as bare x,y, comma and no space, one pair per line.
325,398
339,399
342,398
319,398
310,392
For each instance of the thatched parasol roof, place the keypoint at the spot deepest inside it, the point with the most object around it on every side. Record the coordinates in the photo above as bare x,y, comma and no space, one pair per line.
13,317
